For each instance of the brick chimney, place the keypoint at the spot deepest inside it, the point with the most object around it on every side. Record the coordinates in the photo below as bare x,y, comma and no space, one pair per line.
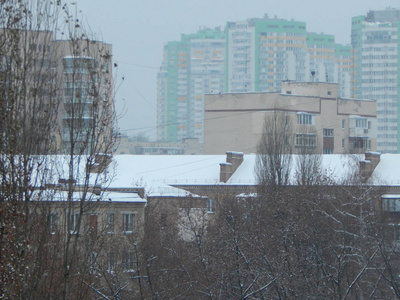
368,165
233,161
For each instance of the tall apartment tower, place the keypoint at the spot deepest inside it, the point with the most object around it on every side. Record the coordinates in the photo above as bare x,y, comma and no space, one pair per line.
191,67
321,60
264,52
376,55
343,56
256,55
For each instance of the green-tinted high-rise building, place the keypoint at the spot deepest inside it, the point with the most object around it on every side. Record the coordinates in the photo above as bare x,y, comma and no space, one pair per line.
376,66
255,55
261,53
191,67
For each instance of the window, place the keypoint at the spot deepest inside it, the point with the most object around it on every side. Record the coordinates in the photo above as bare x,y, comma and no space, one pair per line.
327,151
73,223
306,140
305,119
127,261
52,219
92,224
211,205
92,262
391,204
110,261
361,123
110,223
343,143
127,222
328,132
343,124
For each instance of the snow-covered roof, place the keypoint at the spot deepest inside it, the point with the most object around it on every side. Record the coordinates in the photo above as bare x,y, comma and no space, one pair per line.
59,196
387,172
159,173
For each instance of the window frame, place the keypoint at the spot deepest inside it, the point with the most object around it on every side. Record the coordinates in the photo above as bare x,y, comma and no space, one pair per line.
73,222
52,222
110,223
305,119
391,205
128,222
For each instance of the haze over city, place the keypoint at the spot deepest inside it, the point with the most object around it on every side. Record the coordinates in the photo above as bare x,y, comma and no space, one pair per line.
257,154
139,29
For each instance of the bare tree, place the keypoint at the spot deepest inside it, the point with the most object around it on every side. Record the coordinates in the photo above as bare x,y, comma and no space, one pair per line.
274,150
308,158
49,106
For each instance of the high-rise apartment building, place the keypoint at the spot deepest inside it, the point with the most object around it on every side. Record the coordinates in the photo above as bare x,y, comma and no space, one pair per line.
86,109
65,88
376,56
321,61
255,55
264,52
344,64
191,68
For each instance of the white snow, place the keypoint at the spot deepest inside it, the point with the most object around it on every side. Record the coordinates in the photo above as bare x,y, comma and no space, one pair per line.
387,171
156,173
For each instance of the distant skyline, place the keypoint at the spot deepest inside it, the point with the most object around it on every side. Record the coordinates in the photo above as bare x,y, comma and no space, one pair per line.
138,31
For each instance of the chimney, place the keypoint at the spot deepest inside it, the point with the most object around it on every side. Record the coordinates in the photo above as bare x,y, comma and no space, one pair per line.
368,165
101,162
233,161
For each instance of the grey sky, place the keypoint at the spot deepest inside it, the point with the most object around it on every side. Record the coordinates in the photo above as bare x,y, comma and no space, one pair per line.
138,30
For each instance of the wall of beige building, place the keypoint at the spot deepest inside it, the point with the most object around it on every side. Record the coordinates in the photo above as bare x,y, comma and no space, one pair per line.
234,122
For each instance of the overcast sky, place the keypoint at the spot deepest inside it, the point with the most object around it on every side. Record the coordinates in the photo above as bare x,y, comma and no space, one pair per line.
138,29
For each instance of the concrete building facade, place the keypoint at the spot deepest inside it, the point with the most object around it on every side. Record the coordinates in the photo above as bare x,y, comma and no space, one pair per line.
321,119
376,46
85,72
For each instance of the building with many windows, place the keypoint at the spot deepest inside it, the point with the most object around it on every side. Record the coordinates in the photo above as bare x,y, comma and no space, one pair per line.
86,109
255,55
375,42
68,91
263,52
321,121
191,68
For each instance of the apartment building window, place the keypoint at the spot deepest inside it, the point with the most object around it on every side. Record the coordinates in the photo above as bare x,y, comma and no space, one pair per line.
343,124
306,140
110,261
52,219
110,223
343,143
327,151
211,205
305,119
128,261
391,204
92,262
327,132
92,224
127,222
361,123
73,223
